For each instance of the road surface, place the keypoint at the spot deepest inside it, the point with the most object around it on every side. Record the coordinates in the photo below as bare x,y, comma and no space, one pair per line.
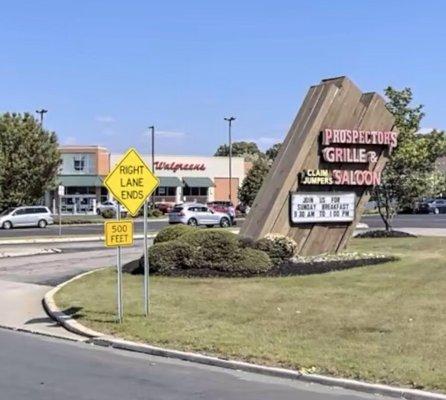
52,269
40,368
401,221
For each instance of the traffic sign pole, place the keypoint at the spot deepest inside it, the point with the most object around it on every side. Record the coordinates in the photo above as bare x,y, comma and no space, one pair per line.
146,263
119,270
131,182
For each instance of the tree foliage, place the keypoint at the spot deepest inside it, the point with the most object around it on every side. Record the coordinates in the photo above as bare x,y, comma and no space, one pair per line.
253,181
29,160
405,177
248,150
272,152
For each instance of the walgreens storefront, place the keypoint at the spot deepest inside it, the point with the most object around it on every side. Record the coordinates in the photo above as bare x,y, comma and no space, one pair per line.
195,178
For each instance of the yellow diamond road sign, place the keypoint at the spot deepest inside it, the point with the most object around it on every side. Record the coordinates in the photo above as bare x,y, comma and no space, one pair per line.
131,181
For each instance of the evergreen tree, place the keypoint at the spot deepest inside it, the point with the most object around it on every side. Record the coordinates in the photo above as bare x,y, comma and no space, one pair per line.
253,181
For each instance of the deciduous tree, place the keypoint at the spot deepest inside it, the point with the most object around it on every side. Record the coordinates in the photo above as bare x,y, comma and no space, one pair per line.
29,160
405,177
248,150
272,152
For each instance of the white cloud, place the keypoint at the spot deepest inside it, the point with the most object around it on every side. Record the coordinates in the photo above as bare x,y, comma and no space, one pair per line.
105,119
424,131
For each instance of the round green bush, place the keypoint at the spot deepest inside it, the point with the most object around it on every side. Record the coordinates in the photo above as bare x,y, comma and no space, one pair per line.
108,213
170,255
252,261
173,232
156,213
216,249
279,248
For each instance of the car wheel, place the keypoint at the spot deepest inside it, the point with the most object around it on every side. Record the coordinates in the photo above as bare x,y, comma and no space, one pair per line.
7,225
192,222
42,223
98,211
224,222
436,211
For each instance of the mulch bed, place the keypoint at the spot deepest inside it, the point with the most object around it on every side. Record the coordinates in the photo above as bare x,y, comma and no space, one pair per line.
287,268
377,234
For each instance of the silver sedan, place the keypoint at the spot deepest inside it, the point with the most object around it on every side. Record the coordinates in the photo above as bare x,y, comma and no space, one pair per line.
198,214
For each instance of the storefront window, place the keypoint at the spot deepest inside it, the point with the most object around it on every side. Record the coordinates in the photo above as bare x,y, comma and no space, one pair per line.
80,190
165,191
195,191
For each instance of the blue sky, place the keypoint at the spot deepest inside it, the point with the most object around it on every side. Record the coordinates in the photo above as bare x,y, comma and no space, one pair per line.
106,70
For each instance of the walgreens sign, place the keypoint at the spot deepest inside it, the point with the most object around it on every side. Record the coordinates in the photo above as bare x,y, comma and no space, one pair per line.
178,166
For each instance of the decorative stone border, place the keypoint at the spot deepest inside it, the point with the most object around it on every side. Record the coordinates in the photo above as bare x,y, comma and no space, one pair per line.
100,339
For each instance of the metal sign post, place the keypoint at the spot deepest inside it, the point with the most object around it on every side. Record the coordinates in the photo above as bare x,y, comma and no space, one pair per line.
131,182
60,192
146,263
119,270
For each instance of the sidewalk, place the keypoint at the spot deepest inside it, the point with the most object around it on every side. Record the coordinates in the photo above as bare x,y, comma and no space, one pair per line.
21,308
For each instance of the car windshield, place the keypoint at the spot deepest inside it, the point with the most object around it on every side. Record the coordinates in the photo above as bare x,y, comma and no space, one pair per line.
178,209
7,211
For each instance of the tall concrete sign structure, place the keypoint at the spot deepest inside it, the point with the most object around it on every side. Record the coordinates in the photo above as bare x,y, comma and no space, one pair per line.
332,157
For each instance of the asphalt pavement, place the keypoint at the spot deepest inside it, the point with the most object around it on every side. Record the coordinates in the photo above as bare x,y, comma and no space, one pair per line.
75,230
374,221
408,221
74,258
41,368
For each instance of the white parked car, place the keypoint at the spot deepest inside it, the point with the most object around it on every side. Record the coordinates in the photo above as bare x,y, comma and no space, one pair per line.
109,205
26,216
198,214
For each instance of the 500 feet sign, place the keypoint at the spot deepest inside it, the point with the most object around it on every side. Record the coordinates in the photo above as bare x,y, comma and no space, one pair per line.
131,181
322,207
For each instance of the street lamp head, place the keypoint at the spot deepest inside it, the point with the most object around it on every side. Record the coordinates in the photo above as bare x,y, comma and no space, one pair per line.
42,111
230,119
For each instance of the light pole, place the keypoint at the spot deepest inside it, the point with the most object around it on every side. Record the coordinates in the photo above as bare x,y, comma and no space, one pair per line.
152,147
230,119
146,255
41,112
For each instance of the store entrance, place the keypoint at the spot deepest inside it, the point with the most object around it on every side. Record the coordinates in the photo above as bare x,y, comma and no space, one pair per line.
78,204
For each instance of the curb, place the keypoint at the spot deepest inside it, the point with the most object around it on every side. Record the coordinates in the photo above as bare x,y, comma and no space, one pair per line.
39,252
100,339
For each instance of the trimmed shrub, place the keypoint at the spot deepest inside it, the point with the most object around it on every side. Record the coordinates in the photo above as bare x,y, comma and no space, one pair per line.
108,213
251,261
173,232
246,242
216,248
279,248
156,213
172,255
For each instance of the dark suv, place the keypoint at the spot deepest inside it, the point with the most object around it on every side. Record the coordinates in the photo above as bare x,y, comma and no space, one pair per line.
435,206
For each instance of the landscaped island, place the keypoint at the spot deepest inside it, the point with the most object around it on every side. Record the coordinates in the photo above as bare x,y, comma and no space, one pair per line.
382,323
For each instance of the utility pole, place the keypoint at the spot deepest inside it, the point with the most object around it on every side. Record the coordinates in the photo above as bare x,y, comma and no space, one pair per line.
230,119
41,112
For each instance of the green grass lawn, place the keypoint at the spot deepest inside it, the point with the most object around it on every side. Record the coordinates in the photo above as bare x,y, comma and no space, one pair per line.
384,323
